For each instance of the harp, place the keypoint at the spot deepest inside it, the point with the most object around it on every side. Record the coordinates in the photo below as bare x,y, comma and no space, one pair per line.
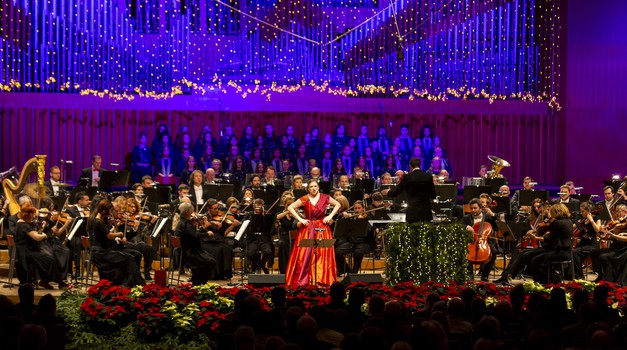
36,164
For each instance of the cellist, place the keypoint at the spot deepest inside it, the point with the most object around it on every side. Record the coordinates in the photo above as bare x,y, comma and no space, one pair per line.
479,215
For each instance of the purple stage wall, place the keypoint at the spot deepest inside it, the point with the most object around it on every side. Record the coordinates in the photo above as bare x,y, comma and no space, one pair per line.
594,120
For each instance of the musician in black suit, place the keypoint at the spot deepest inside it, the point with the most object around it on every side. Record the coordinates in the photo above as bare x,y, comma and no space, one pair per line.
420,192
571,203
52,185
480,212
94,172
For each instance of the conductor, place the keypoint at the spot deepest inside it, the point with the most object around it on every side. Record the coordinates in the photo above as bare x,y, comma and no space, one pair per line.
420,192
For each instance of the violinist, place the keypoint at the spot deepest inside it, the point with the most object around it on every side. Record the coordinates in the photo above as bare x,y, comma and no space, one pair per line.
357,243
259,239
115,265
217,245
285,224
183,192
135,224
77,211
558,242
55,225
539,212
584,234
480,213
193,235
232,218
613,260
28,240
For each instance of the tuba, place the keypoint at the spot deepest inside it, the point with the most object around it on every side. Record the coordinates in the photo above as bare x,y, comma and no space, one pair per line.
36,164
497,165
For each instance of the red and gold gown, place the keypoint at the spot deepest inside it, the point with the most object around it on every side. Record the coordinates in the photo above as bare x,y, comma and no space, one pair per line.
301,266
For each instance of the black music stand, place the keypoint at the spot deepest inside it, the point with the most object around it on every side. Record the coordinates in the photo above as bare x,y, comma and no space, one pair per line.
269,196
315,244
604,212
472,191
353,195
325,187
503,205
299,193
495,184
221,192
156,196
517,228
526,197
91,192
114,179
582,197
367,185
380,215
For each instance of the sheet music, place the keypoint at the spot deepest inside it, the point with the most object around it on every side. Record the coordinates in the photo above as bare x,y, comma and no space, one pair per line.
79,222
242,229
159,227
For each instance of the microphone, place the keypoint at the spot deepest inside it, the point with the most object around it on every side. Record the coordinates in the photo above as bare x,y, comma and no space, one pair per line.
533,183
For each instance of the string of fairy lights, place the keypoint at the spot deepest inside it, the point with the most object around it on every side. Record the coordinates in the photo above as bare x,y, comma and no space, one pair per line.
439,50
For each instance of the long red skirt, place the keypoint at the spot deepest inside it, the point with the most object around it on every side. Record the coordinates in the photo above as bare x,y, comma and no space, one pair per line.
306,267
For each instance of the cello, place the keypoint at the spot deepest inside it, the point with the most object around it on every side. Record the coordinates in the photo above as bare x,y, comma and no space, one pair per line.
479,250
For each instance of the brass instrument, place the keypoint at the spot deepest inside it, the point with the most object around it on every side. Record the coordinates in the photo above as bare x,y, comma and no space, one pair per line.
38,164
497,165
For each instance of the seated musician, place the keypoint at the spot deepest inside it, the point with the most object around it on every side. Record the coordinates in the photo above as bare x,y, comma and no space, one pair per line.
480,213
558,242
358,243
285,223
528,184
28,241
76,211
114,265
137,230
233,219
193,233
343,183
565,197
613,260
585,240
259,239
540,223
56,227
217,245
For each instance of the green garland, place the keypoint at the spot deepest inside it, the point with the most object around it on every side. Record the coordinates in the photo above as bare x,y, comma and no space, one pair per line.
422,252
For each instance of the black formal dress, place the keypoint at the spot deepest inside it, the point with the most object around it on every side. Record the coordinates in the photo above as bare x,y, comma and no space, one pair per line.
194,256
114,265
36,258
420,191
219,248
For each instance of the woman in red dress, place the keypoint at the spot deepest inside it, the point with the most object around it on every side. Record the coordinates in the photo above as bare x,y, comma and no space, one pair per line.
303,263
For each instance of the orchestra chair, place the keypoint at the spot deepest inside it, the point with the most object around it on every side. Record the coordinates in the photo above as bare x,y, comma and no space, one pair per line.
175,248
87,258
560,267
12,259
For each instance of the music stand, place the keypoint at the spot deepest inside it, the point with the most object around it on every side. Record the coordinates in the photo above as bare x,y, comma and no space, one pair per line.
299,193
495,183
325,186
156,231
447,192
517,228
526,197
221,192
582,197
367,185
472,191
353,195
604,212
572,207
91,192
113,179
315,244
503,205
156,196
269,196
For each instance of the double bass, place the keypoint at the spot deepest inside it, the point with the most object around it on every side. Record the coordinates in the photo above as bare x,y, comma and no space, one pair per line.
479,250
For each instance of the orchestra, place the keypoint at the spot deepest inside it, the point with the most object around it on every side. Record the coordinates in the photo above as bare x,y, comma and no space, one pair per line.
257,189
